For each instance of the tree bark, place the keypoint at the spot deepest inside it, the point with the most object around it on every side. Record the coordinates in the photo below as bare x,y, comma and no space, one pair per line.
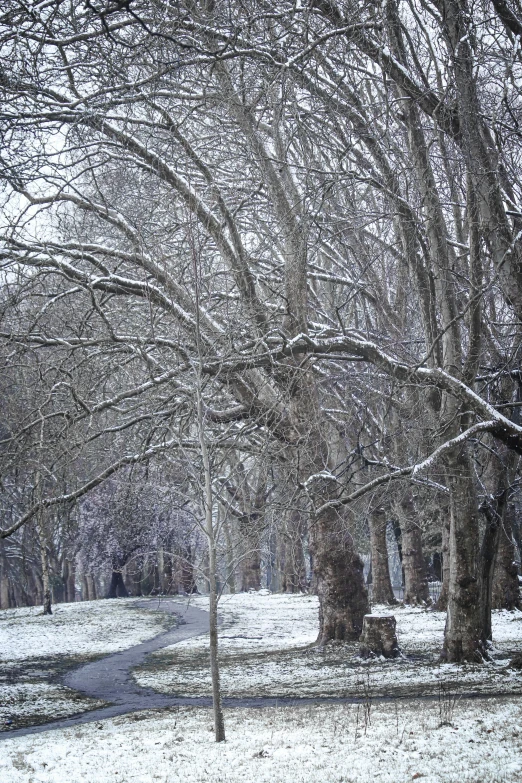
382,590
442,602
4,580
231,571
338,569
91,587
416,589
44,562
291,556
506,589
188,580
70,584
379,637
463,633
117,587
487,562
499,574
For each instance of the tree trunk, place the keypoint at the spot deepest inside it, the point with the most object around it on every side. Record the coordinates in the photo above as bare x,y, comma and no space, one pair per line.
161,580
4,580
291,556
250,566
46,583
397,533
442,602
171,583
91,585
379,637
462,635
231,570
382,591
4,592
506,590
188,581
499,574
117,587
42,533
338,569
416,589
208,504
69,578
487,562
251,571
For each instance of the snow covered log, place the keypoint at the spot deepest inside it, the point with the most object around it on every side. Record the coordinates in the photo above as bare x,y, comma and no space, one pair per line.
378,636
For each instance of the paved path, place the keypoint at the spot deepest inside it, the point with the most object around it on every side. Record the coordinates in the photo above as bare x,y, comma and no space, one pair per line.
110,679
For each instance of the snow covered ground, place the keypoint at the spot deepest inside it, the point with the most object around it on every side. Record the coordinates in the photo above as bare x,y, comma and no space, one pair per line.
38,702
85,628
35,649
266,650
323,744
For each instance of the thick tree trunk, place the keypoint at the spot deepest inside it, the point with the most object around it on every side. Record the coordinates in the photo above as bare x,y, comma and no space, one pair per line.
64,588
463,633
499,573
171,581
382,591
506,589
487,562
416,589
162,576
379,637
397,533
338,569
134,576
250,565
117,587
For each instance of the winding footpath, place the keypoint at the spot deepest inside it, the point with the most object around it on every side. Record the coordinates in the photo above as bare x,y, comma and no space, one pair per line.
110,679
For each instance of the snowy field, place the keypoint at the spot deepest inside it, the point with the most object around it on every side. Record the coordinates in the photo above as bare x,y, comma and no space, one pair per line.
36,649
85,628
266,649
316,744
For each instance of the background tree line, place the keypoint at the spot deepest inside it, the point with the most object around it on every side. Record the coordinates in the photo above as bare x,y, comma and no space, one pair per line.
270,252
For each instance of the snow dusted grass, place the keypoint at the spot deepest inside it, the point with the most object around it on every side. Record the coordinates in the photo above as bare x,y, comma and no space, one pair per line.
324,744
32,703
85,628
36,649
266,649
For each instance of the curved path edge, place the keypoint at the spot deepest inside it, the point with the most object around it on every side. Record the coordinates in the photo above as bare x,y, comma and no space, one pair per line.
110,679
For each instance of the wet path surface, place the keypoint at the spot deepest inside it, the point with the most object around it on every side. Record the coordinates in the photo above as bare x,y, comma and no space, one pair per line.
110,679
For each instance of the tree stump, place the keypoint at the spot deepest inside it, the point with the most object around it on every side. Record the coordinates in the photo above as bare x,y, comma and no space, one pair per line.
379,637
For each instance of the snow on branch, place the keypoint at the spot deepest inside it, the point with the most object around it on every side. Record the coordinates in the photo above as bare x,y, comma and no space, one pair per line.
411,471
